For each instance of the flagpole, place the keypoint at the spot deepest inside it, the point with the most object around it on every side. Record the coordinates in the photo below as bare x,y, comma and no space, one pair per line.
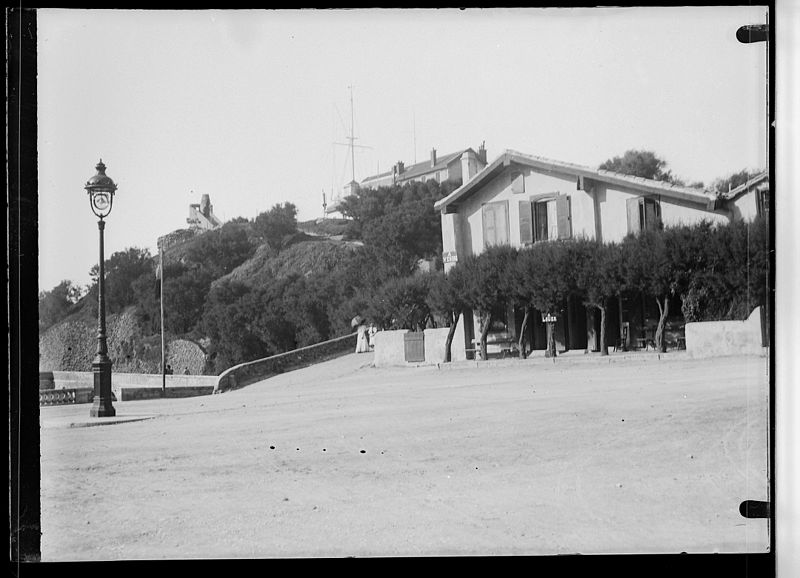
161,302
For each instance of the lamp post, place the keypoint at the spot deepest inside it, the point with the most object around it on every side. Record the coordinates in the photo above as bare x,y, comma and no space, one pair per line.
101,191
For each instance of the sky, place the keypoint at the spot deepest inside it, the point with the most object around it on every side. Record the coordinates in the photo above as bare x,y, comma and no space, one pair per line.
246,106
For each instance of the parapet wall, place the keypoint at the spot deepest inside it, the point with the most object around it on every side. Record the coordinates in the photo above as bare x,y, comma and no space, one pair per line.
129,386
253,371
390,347
721,338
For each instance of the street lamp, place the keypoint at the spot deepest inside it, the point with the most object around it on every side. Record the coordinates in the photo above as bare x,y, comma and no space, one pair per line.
101,191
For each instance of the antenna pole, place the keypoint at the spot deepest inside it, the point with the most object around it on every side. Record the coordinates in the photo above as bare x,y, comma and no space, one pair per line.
352,137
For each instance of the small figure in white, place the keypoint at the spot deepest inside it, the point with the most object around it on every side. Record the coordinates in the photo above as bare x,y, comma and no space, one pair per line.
371,335
362,342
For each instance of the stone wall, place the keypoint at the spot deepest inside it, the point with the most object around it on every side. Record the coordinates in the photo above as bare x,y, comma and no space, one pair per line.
71,346
390,348
721,338
253,371
128,386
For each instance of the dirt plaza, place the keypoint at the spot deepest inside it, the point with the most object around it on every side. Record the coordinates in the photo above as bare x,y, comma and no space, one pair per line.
626,454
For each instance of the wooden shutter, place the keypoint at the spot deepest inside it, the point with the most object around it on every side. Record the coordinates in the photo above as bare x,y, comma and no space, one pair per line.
634,226
650,214
564,217
501,223
489,226
525,223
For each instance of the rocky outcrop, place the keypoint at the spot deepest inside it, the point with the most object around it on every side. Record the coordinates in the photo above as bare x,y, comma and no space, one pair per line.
71,345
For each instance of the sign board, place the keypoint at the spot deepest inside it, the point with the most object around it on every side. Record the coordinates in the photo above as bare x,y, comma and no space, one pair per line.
548,318
450,257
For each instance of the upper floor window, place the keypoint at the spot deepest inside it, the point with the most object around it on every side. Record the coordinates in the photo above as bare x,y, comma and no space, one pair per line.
495,223
644,214
545,219
762,202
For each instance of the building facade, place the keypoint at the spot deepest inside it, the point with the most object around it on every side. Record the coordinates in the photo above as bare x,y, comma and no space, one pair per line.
520,200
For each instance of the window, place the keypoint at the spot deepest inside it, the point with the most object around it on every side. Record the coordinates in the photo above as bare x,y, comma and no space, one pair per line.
643,214
495,223
762,202
545,219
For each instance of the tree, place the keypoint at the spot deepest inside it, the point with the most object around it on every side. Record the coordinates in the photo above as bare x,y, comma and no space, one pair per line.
220,251
729,182
489,276
599,276
544,281
56,304
641,163
446,297
121,270
228,320
401,303
277,223
650,270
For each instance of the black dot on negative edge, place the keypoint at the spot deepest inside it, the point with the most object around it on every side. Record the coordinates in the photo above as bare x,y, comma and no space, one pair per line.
363,451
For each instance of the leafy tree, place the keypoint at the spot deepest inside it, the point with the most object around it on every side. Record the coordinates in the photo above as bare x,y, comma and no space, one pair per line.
277,223
220,251
641,163
544,281
729,182
599,276
228,320
488,286
650,270
56,304
121,270
401,303
446,297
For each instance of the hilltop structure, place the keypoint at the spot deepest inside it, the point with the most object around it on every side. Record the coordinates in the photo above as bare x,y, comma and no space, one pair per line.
201,216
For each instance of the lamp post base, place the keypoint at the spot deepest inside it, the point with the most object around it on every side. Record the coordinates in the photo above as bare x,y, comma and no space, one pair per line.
101,406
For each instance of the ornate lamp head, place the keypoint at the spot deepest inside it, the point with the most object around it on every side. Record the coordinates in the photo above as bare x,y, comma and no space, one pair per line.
101,191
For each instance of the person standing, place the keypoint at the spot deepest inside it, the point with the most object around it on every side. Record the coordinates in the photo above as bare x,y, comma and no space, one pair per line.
362,343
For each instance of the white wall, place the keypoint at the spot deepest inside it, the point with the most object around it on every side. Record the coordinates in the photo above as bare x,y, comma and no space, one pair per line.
721,338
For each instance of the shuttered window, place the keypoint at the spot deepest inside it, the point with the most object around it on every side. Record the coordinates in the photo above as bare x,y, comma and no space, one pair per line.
545,220
495,223
643,214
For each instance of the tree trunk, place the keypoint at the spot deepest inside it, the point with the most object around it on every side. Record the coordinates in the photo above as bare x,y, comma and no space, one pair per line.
551,340
487,323
603,342
661,345
448,344
522,352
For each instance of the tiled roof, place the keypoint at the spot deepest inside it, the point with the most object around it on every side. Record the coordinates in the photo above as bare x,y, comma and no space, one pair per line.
696,195
422,168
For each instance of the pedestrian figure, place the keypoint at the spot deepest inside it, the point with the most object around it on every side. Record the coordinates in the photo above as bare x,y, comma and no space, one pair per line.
371,335
186,371
362,342
168,371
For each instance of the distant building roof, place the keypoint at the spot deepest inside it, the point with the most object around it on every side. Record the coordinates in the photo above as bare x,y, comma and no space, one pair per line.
421,168
690,194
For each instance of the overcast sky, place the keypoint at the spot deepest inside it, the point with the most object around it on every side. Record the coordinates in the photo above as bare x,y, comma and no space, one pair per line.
246,105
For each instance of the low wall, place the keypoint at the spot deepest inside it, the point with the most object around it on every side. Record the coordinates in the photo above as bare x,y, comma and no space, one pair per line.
130,386
390,348
253,371
721,338
435,341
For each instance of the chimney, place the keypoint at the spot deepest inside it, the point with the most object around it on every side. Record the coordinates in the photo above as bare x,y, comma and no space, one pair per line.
400,167
433,157
482,152
469,166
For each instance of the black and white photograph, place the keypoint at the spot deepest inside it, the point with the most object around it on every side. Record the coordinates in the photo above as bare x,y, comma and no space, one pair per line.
405,283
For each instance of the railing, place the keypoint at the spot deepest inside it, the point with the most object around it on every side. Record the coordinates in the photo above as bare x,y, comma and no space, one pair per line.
65,396
252,371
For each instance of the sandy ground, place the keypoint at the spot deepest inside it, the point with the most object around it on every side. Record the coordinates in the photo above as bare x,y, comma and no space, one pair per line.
344,459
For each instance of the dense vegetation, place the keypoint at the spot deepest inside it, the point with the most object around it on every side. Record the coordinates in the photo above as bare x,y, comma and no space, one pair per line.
253,288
